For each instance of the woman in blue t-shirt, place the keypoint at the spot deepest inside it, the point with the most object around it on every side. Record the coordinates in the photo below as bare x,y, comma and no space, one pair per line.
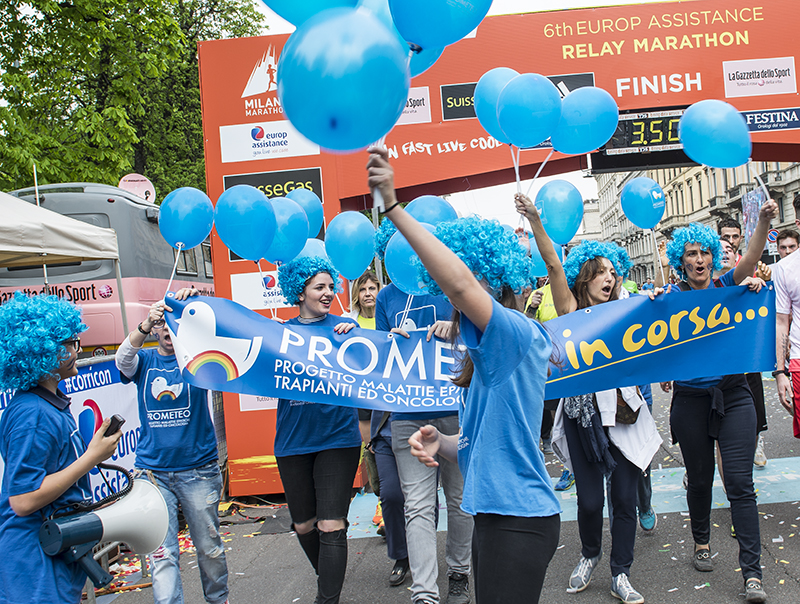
46,462
587,435
317,446
720,408
479,265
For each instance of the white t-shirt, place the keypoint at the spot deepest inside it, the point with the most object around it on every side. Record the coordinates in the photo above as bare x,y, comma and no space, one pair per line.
786,275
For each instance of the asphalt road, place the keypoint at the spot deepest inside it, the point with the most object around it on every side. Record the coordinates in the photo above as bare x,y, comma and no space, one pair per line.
271,568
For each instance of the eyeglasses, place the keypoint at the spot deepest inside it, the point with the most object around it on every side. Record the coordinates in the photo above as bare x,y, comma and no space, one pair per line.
74,343
159,324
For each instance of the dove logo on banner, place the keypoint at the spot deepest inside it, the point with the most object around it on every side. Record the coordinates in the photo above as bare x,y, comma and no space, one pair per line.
198,346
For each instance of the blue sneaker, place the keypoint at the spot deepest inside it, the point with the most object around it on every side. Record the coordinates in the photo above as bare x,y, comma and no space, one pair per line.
648,520
565,482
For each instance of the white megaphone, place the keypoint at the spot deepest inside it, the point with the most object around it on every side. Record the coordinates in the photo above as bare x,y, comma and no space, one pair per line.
139,519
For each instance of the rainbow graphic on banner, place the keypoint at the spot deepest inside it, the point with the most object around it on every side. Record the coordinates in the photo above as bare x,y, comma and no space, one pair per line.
214,357
169,394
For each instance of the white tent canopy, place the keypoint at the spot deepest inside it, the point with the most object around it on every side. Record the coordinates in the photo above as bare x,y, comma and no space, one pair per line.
34,236
30,235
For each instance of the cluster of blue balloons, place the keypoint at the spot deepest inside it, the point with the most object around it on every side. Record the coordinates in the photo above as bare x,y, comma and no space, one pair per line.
714,133
250,225
526,109
344,74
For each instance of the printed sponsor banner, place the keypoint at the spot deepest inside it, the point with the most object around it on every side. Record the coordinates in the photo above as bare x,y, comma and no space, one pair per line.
759,77
98,393
777,119
250,291
418,107
264,140
222,346
279,183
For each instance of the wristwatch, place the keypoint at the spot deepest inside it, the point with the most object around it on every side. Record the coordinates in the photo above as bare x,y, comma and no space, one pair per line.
139,327
779,371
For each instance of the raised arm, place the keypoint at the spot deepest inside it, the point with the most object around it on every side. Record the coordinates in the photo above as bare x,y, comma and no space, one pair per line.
563,298
450,273
747,265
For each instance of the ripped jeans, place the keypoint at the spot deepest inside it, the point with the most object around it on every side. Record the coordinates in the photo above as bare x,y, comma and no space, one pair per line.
198,493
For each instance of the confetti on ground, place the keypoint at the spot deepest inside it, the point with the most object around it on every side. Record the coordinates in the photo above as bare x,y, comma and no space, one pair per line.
778,539
781,582
714,555
783,561
702,586
671,590
242,574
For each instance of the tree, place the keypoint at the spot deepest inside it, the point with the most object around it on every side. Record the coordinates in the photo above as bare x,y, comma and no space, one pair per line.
170,146
90,89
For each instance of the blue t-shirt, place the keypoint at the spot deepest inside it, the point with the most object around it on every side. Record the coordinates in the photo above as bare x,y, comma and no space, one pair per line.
498,444
725,280
177,432
304,427
38,437
392,310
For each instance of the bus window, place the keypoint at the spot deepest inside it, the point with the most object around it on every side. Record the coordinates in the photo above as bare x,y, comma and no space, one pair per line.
187,264
206,249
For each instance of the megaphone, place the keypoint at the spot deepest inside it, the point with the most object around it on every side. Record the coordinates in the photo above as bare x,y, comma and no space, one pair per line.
139,519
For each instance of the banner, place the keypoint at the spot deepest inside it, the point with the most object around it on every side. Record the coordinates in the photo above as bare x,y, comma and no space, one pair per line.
221,345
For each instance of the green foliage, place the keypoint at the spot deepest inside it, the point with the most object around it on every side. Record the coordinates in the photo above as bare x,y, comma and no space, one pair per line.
93,89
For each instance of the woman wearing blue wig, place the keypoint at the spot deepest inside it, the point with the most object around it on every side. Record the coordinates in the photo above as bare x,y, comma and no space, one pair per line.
317,446
719,408
602,435
46,461
479,265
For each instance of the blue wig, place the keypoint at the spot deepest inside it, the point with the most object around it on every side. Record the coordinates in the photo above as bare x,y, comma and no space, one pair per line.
490,251
588,249
382,236
32,332
694,233
293,276
624,262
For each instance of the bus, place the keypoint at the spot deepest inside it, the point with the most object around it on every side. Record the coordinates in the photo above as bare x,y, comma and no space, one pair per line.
146,262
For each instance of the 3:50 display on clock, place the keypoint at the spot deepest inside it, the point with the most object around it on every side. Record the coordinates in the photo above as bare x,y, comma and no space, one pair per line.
642,132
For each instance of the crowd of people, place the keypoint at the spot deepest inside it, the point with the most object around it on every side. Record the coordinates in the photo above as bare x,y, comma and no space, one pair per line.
503,515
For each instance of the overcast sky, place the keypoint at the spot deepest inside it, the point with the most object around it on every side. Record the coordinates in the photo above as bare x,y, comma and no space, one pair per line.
488,202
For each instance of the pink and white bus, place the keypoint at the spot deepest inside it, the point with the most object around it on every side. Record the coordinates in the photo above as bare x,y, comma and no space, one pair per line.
146,261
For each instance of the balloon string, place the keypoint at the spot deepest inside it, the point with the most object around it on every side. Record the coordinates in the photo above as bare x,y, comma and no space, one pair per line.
174,268
655,247
515,160
272,312
763,187
539,171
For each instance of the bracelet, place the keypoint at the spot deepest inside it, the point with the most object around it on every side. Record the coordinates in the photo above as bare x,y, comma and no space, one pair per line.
391,207
142,331
780,371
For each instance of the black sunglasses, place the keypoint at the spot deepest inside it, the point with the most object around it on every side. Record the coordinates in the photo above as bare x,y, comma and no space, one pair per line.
74,342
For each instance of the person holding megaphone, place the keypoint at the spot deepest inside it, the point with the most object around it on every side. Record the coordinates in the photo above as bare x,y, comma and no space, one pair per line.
46,461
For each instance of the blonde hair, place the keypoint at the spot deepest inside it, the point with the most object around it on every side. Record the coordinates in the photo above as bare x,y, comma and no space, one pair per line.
367,276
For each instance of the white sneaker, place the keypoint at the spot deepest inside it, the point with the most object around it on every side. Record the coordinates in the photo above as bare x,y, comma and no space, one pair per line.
621,588
580,577
760,458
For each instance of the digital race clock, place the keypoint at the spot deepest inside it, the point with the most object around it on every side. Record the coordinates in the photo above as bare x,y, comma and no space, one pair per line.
646,131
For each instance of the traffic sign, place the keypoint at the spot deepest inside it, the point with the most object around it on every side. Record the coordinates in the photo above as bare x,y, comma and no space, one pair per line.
772,235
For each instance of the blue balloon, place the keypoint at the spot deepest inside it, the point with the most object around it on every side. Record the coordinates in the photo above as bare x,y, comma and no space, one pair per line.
291,233
400,266
643,202
185,218
528,109
311,204
561,207
297,12
539,268
245,221
589,118
350,243
313,248
486,95
343,79
421,59
437,23
431,210
714,133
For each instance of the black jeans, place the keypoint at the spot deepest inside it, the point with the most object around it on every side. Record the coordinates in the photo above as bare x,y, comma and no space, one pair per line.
510,555
590,487
689,420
